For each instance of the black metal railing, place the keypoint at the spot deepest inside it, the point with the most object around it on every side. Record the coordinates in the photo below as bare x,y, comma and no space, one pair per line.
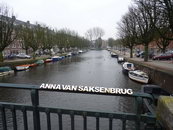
36,109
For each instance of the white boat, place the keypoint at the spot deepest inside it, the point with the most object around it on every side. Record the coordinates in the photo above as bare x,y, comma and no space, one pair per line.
22,67
69,54
127,66
80,51
120,59
138,76
114,55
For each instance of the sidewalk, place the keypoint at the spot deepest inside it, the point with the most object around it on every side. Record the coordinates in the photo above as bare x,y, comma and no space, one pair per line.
161,65
37,58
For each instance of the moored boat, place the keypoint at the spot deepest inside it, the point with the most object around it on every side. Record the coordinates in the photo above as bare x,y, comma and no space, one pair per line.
114,55
127,66
138,76
22,67
56,58
80,51
5,71
120,59
48,60
33,65
69,54
39,62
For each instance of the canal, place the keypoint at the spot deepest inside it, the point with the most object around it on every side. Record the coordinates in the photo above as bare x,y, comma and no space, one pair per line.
93,68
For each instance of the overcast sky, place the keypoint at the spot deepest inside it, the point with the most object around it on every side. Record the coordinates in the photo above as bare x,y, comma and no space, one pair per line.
78,15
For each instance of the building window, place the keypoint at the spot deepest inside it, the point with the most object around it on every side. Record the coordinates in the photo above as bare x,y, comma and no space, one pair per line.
13,45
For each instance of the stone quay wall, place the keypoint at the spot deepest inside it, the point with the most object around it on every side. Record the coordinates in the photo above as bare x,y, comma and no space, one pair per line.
158,75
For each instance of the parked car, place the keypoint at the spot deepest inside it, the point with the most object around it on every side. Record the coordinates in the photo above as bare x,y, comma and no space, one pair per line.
11,56
164,56
142,54
22,55
138,54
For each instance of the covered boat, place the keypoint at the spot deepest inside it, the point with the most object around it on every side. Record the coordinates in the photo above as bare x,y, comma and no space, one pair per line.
155,91
127,66
22,67
5,71
39,62
138,76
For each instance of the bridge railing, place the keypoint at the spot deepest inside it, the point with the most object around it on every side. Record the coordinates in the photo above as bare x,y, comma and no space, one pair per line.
36,109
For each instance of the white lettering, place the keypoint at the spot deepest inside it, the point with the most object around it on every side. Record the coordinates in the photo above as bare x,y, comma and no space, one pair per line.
86,88
74,87
80,88
42,85
58,87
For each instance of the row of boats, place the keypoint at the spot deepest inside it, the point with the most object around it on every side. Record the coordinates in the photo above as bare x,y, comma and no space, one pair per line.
8,70
129,69
136,75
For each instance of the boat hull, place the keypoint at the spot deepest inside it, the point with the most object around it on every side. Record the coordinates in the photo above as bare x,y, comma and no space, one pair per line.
22,67
125,71
48,60
126,67
138,79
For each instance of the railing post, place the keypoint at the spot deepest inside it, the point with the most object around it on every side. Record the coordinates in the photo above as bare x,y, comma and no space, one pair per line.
35,103
138,101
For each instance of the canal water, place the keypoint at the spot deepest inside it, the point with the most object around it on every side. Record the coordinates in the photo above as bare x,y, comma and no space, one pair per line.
93,68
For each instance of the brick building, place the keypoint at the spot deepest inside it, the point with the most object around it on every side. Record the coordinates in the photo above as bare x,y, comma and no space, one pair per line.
16,46
153,47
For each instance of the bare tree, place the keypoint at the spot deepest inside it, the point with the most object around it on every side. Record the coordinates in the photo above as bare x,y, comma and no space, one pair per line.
128,30
98,32
166,7
8,31
25,35
94,33
89,34
145,23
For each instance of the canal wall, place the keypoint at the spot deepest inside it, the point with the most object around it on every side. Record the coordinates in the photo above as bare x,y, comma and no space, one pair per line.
158,75
13,63
165,111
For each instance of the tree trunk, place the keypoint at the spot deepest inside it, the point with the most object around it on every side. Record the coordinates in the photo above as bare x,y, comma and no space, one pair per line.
146,52
164,49
34,56
26,51
131,52
1,57
50,53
